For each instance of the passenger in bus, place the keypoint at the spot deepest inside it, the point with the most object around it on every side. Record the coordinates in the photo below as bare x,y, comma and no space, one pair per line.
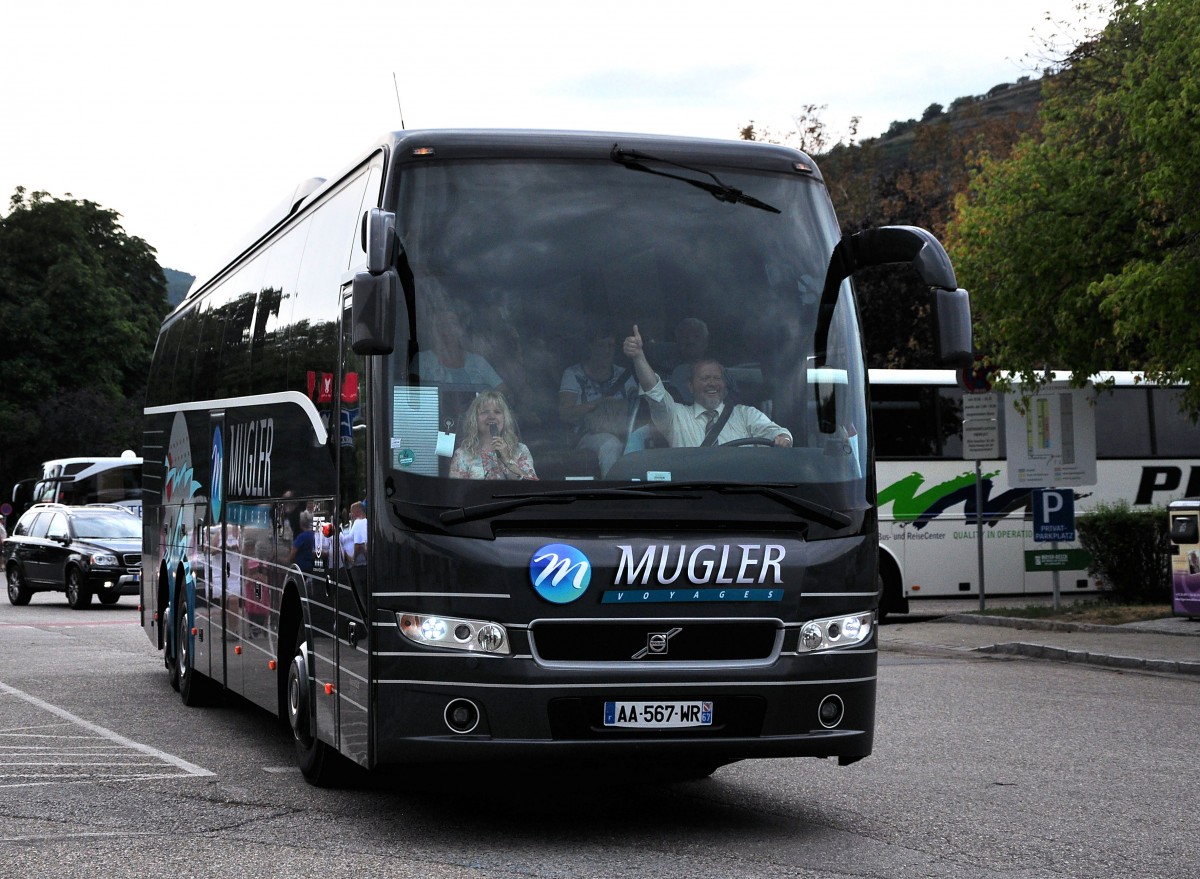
691,344
595,396
707,421
490,448
448,362
519,364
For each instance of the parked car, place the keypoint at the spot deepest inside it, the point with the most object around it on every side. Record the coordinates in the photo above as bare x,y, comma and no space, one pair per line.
93,549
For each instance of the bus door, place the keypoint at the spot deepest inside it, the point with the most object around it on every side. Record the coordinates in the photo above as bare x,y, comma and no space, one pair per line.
352,549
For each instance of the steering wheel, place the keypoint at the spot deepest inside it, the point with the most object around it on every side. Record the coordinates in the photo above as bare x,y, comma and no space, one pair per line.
751,441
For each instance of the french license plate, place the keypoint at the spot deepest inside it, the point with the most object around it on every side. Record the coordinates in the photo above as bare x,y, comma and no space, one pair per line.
658,715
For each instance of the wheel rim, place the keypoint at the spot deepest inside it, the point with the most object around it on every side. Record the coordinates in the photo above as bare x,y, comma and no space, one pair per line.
297,703
183,646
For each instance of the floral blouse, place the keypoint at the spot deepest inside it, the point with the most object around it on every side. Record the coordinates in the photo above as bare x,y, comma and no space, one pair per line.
487,465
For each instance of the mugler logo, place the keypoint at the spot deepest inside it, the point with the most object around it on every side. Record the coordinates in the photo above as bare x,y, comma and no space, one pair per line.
656,643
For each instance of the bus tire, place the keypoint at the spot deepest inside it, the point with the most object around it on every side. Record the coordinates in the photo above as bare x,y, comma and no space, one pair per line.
319,763
193,686
891,594
79,596
18,592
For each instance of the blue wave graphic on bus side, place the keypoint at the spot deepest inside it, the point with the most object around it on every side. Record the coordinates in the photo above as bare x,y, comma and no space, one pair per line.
560,573
216,497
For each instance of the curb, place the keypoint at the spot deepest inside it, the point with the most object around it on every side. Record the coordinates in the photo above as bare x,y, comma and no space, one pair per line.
1084,657
1050,625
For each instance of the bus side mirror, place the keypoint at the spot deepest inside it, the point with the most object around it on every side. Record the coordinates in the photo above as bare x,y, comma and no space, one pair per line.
901,244
373,312
379,239
952,327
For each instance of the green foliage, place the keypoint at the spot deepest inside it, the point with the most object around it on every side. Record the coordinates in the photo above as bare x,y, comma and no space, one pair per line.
1130,551
1082,248
80,303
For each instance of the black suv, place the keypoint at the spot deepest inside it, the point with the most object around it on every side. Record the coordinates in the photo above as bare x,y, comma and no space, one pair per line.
77,550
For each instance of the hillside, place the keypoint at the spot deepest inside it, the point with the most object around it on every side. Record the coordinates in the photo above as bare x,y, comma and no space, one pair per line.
178,283
1007,104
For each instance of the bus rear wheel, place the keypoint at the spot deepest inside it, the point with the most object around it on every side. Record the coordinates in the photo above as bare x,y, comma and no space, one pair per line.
193,687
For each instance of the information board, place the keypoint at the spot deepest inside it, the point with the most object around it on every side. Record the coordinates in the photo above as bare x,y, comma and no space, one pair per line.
1050,438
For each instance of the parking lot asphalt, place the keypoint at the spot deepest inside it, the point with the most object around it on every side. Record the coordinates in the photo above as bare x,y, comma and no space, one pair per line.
1170,645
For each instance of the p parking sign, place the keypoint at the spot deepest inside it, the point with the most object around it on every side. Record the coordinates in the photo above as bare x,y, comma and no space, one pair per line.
1053,515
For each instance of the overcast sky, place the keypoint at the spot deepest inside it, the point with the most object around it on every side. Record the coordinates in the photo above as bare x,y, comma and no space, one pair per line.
192,120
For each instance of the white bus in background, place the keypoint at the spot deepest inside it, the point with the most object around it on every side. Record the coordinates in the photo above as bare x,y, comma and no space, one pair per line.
1148,454
88,480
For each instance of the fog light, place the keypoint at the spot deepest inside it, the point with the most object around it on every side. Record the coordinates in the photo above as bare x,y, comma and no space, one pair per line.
462,716
831,711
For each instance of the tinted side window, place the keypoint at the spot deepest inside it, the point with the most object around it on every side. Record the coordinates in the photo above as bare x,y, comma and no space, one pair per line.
1122,419
57,526
161,387
1177,435
328,252
25,526
270,341
916,421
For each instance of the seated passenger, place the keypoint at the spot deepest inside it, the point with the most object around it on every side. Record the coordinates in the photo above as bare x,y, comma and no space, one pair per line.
691,341
490,448
448,362
707,421
593,397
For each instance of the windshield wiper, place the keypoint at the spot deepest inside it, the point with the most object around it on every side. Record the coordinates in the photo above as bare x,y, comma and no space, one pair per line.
505,503
826,516
633,160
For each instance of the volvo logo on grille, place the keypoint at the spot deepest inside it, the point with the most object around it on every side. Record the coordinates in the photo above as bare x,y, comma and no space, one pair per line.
656,643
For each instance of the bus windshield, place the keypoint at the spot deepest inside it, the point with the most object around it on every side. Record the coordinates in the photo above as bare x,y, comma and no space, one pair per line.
530,277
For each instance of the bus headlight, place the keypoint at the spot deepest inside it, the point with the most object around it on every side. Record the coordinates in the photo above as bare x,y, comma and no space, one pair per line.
452,633
846,631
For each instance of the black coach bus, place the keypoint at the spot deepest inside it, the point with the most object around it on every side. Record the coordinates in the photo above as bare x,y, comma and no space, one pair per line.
404,487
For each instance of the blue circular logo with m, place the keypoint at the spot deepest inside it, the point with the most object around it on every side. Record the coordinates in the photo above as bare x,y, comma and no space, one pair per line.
560,573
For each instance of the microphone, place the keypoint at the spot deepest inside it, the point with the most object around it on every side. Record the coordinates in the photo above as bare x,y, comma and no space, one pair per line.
494,430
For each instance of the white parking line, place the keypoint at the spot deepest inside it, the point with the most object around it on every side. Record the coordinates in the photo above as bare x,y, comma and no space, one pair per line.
61,747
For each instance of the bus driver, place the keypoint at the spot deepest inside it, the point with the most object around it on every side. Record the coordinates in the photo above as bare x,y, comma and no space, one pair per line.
707,421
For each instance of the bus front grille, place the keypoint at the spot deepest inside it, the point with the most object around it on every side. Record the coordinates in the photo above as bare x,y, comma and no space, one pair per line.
656,641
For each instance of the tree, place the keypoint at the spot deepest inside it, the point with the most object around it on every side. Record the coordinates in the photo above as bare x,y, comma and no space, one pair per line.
911,182
80,303
1082,248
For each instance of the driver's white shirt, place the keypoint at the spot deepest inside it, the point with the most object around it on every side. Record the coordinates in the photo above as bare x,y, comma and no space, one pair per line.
684,425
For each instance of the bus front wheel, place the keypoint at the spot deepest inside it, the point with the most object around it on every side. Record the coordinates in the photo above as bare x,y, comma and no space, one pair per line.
318,761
